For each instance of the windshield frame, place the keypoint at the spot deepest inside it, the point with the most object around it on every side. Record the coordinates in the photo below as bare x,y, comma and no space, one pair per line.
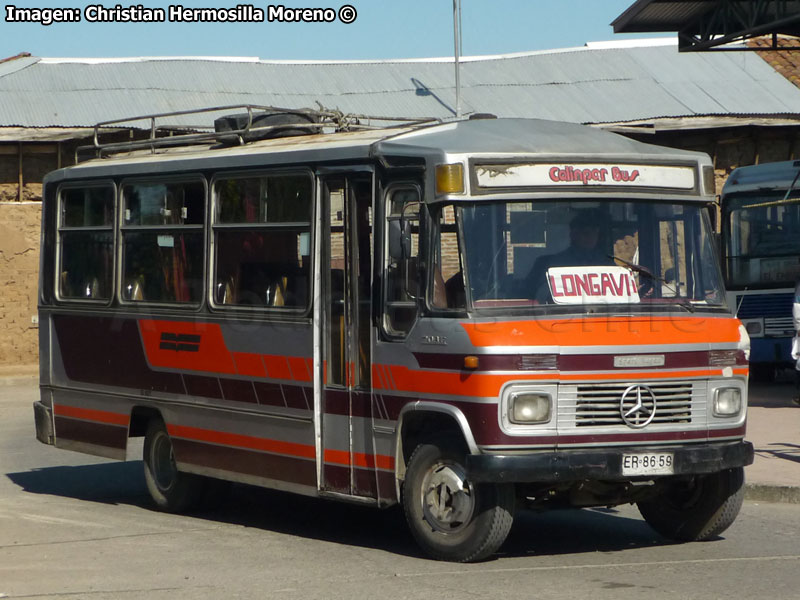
550,309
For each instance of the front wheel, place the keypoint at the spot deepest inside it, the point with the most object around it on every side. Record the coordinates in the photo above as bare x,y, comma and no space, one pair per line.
171,490
450,517
697,509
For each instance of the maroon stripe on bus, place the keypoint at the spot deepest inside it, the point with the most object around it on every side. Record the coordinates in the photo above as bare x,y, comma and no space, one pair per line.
365,483
269,394
98,434
387,491
336,478
342,402
108,351
564,362
238,390
295,396
337,402
199,385
248,462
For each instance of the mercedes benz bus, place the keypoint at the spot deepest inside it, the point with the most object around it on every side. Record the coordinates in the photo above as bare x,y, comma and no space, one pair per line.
468,318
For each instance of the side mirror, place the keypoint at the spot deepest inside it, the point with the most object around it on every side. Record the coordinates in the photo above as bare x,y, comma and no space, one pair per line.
399,239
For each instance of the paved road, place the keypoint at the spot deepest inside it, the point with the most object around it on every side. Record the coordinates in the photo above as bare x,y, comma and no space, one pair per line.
74,526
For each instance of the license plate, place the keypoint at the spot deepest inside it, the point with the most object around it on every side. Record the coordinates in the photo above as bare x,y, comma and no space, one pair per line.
654,463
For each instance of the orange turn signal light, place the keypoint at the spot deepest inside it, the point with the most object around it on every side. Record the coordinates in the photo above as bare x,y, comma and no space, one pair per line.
471,362
450,179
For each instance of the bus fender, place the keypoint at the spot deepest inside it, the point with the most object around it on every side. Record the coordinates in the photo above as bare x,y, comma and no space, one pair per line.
448,410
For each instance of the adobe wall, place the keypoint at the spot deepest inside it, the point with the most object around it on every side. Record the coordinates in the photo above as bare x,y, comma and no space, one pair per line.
19,268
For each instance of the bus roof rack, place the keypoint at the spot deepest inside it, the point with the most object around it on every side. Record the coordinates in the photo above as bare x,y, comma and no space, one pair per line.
250,123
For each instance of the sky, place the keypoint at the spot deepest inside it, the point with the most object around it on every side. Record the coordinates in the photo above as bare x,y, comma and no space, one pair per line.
382,29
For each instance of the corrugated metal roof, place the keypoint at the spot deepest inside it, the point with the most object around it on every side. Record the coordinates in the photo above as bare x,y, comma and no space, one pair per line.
582,85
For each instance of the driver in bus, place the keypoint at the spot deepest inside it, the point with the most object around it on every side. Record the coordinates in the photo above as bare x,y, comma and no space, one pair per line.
584,250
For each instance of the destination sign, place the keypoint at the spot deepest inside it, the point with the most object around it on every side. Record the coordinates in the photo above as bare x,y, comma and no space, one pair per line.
592,285
585,175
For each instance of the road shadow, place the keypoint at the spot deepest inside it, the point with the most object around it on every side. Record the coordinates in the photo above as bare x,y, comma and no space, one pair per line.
110,483
781,450
549,533
577,531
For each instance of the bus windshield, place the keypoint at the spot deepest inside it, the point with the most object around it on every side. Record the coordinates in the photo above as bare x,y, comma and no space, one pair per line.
762,245
526,254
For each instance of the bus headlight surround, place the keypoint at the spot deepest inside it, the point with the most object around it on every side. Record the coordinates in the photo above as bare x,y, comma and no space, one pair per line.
529,407
727,402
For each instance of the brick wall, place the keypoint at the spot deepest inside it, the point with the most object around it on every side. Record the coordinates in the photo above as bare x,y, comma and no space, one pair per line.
19,266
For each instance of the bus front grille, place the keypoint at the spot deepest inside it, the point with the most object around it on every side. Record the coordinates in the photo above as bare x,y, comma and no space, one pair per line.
598,405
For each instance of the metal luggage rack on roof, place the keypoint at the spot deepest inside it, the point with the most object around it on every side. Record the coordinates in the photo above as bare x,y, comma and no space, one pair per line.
175,135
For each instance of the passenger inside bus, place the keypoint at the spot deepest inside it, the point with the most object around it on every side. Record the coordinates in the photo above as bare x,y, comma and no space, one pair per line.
585,250
260,268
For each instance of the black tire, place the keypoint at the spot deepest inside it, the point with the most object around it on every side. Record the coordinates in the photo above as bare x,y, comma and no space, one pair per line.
699,509
474,521
171,490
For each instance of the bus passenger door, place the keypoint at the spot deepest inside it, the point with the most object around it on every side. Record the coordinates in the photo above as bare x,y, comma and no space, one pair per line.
346,274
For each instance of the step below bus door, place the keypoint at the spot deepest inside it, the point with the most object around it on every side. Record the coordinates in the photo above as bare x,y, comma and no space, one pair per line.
346,335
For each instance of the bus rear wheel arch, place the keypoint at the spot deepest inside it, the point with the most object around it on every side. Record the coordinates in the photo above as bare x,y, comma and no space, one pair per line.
450,517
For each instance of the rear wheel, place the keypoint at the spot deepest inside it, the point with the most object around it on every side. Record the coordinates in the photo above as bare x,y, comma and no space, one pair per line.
697,509
450,517
171,490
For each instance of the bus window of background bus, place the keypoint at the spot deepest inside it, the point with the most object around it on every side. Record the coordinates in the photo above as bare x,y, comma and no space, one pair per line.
86,238
513,251
763,244
262,241
402,274
162,242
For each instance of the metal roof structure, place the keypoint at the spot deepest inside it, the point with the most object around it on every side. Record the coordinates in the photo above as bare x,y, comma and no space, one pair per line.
713,24
602,84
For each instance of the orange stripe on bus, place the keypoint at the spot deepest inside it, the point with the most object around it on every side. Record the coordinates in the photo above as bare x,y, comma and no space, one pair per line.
87,414
489,385
606,331
370,461
299,370
249,364
242,441
208,355
277,367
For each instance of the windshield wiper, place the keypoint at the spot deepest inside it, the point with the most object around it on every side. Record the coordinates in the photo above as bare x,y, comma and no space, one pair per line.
637,268
680,301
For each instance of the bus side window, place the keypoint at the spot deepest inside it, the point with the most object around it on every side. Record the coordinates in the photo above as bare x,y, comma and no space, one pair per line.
402,274
86,231
262,238
162,241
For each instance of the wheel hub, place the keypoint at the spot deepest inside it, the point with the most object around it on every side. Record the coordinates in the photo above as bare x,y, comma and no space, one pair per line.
448,499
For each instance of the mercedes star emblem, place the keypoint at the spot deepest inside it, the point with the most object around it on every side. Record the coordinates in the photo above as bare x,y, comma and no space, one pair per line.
637,406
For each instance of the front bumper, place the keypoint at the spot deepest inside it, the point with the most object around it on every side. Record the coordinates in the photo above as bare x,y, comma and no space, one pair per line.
606,465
